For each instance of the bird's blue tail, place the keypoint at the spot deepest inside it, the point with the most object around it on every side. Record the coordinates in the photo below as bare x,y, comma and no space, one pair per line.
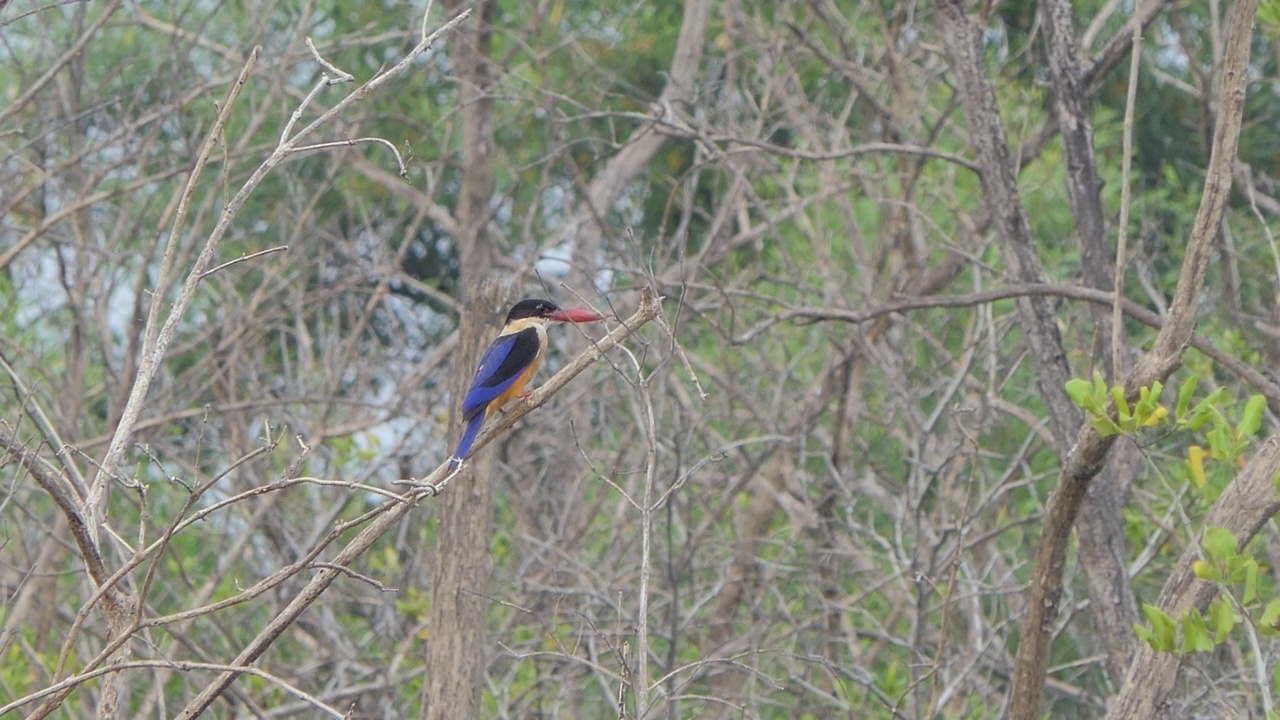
468,437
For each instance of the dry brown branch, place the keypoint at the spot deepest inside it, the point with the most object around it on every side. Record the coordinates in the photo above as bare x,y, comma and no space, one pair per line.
1266,386
59,488
386,516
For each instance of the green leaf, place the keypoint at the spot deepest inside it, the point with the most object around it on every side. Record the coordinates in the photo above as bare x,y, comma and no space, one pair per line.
1222,442
1212,400
1145,636
1105,426
1122,405
1195,636
1237,567
1219,545
1206,410
1222,617
1164,627
1184,396
1252,419
1079,390
1270,615
1250,583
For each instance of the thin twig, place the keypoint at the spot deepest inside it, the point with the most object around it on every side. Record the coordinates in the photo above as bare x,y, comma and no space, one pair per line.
184,666
46,427
352,573
647,507
1126,164
243,258
339,75
296,115
1269,388
675,344
352,142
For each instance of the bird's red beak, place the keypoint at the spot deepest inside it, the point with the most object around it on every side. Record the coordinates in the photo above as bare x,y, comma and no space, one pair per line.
575,315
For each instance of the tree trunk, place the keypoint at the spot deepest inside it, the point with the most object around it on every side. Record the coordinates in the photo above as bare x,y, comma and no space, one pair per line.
1165,356
1100,526
460,575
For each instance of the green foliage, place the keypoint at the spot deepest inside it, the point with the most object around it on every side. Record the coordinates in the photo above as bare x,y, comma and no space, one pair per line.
1269,17
1236,573
1227,433
1096,399
1226,440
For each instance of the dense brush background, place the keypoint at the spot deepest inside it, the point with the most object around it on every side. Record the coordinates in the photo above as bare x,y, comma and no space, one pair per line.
849,510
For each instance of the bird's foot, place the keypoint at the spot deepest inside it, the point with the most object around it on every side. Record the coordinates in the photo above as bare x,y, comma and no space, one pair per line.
419,486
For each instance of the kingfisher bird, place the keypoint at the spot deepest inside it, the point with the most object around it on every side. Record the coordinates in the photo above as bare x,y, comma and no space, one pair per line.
509,363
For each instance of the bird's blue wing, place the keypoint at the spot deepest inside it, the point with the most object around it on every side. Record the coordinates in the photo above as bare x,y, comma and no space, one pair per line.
500,366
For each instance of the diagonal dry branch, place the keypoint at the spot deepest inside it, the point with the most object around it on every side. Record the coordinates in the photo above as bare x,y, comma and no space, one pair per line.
58,488
385,517
963,39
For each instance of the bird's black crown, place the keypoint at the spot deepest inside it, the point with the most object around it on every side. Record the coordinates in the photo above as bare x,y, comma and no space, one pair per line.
531,308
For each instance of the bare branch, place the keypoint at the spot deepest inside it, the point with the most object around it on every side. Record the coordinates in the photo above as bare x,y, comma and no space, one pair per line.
245,258
59,488
339,76
404,171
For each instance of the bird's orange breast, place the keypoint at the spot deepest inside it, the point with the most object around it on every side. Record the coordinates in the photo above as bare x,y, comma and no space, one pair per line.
517,387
